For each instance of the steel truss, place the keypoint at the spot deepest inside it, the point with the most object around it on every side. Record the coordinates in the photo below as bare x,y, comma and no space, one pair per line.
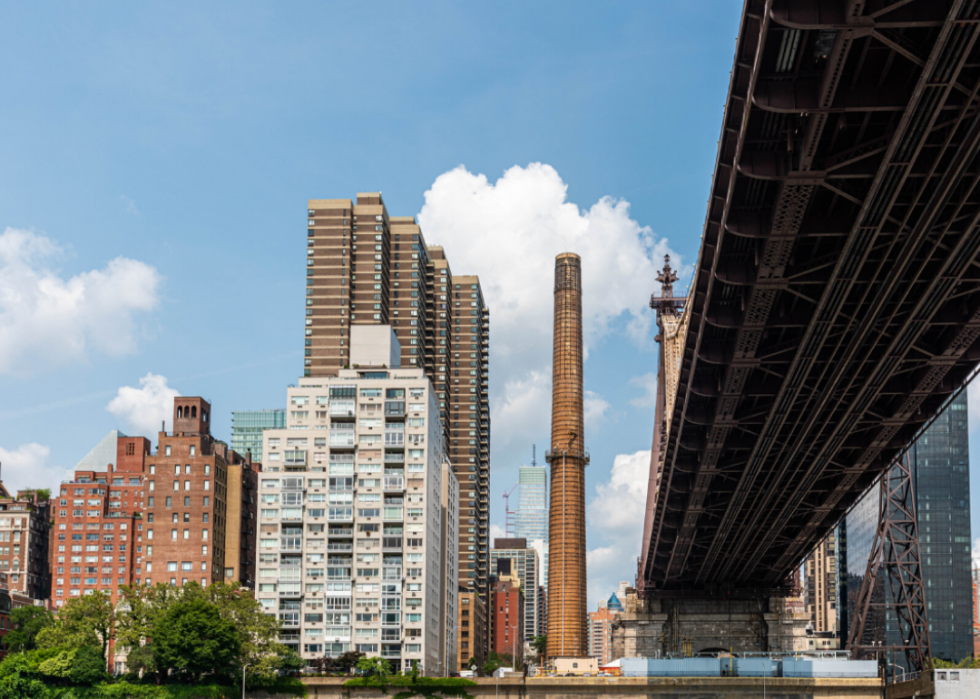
895,556
836,298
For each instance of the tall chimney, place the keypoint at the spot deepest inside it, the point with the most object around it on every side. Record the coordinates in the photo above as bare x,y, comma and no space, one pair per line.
567,599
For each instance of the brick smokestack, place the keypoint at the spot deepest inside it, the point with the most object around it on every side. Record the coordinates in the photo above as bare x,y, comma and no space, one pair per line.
567,599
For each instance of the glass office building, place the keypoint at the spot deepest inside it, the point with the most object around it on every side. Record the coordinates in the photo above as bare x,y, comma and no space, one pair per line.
531,519
247,427
941,478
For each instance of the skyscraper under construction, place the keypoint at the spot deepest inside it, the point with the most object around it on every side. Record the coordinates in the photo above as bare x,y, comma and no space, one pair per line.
567,619
366,267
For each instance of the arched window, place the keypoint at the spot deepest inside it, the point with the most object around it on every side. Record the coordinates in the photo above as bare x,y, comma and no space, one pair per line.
194,411
180,412
204,415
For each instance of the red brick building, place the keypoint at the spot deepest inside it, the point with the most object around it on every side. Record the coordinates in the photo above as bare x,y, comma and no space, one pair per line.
507,612
200,505
96,538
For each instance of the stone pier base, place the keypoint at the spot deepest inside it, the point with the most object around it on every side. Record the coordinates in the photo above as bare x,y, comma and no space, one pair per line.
651,627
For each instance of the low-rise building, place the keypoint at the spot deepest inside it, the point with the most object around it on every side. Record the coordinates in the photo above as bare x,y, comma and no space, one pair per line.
508,611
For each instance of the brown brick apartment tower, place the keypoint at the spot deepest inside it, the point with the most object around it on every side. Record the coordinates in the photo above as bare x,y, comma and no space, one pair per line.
567,630
200,505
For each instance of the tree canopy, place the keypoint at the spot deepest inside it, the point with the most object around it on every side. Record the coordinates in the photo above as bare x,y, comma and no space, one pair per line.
25,624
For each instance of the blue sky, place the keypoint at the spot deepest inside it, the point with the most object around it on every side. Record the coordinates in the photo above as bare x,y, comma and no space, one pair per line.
157,160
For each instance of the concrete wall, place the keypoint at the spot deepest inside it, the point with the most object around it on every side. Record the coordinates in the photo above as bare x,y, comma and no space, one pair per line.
628,688
651,627
374,345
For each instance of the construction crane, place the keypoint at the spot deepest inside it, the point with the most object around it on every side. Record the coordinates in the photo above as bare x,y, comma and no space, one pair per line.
509,514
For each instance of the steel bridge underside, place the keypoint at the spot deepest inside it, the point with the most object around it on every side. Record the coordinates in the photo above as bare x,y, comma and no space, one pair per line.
836,301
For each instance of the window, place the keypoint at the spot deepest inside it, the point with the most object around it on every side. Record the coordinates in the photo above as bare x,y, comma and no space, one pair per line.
193,451
167,450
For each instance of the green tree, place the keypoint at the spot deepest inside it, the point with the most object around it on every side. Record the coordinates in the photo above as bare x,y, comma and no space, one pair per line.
496,660
375,668
25,624
192,640
89,620
540,646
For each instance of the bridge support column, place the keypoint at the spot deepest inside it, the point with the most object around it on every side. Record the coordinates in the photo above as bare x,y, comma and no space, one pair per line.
652,627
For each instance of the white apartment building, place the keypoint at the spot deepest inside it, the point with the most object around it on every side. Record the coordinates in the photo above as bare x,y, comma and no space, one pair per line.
357,522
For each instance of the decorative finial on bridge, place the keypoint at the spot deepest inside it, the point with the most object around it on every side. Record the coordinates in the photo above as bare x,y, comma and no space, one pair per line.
666,304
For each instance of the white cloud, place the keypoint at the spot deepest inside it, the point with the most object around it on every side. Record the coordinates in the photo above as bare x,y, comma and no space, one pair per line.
146,407
509,232
976,552
594,409
615,515
648,382
48,321
27,467
129,206
496,532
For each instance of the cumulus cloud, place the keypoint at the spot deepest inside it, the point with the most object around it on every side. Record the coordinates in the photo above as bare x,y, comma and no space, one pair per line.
615,515
27,467
594,409
648,383
496,532
509,232
47,321
144,408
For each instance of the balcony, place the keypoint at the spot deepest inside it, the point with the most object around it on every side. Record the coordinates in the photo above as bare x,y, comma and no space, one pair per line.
290,594
391,543
394,483
394,457
337,547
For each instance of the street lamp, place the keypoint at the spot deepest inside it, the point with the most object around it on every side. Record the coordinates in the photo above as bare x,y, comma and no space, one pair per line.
243,679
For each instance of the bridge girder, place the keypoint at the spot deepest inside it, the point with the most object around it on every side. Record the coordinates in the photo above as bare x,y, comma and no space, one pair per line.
836,302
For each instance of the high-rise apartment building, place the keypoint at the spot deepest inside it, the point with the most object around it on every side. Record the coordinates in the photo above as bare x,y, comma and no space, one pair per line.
941,481
364,267
200,521
24,533
600,634
820,587
97,527
354,507
526,567
247,427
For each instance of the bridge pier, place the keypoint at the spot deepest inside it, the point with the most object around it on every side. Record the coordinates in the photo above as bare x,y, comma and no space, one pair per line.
651,627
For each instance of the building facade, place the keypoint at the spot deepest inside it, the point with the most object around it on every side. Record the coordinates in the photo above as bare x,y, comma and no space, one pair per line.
24,538
507,613
820,588
526,566
247,427
200,513
97,523
365,267
531,519
600,634
473,634
351,518
941,480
